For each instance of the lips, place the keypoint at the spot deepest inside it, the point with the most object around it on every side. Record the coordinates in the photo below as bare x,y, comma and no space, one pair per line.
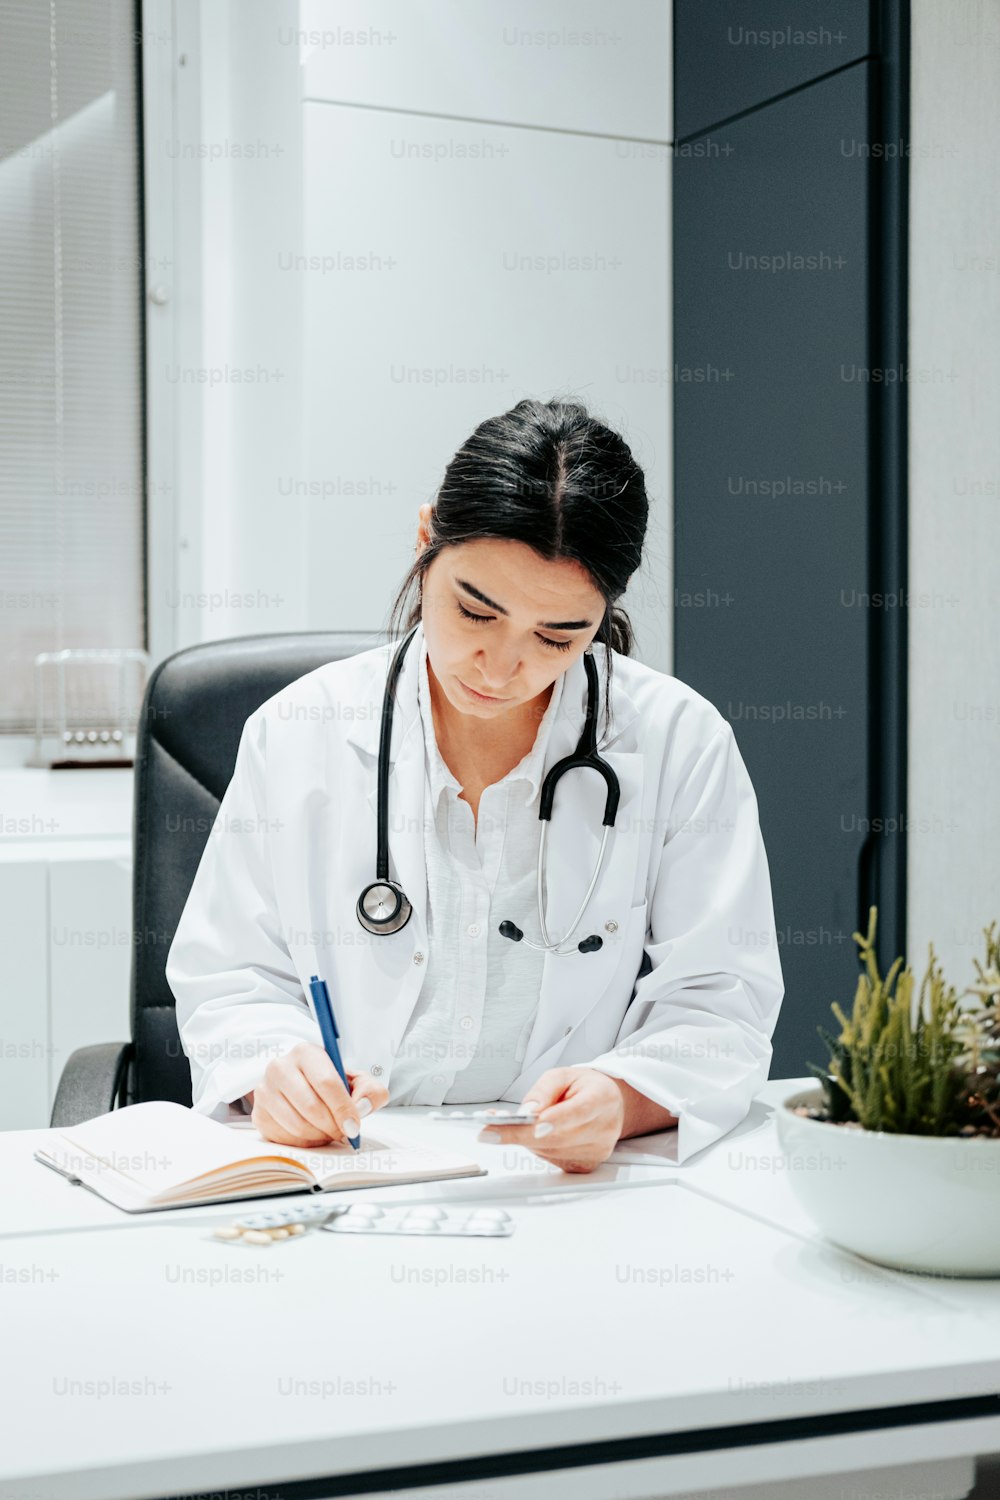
477,694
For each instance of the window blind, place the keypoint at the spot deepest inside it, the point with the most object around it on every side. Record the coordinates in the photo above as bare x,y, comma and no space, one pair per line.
72,511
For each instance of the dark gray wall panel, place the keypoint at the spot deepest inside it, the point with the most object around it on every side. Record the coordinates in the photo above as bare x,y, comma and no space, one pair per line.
769,392
731,55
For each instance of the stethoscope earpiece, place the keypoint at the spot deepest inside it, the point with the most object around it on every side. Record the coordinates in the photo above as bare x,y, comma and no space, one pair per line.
588,945
382,906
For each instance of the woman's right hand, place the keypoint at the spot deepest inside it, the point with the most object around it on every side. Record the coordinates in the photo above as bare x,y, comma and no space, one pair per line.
301,1100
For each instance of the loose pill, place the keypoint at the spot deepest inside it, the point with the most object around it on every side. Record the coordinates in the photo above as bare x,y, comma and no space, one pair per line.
227,1232
278,1234
296,1229
256,1237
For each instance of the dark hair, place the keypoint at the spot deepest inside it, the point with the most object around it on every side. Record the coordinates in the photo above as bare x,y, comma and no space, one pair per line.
548,474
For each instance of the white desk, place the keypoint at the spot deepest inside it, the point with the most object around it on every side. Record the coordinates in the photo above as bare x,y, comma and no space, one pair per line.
647,1331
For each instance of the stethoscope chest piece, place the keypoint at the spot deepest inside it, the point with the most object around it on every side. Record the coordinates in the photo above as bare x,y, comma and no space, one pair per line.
383,907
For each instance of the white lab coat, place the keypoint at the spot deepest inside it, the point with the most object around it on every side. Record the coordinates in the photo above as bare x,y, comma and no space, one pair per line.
685,877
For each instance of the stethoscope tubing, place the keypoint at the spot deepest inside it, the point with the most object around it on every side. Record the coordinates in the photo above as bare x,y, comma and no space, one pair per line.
385,735
585,756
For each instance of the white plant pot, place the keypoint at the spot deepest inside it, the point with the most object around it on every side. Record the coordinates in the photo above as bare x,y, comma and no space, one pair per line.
913,1202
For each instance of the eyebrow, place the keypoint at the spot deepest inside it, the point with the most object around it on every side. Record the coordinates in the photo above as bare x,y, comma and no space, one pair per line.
545,624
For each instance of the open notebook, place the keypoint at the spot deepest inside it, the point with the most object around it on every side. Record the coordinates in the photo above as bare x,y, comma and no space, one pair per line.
161,1155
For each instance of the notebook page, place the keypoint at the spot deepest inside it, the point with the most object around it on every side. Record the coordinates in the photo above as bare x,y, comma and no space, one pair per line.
155,1146
382,1158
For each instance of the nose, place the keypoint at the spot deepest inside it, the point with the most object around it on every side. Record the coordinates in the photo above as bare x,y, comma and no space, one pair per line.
497,670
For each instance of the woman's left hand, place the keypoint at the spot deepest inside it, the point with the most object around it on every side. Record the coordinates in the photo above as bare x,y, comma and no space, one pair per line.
581,1114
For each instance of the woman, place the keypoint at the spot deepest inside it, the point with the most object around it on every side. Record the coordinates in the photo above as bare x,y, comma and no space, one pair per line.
662,1015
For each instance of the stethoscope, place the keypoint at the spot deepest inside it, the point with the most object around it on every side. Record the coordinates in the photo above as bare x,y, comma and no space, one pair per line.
383,907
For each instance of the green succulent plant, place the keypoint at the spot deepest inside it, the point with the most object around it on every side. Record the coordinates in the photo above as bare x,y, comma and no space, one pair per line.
894,1067
981,1035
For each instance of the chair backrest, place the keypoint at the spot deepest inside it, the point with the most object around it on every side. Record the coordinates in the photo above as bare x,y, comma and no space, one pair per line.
194,709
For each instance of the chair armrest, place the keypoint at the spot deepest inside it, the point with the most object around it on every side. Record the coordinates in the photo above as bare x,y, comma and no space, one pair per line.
92,1082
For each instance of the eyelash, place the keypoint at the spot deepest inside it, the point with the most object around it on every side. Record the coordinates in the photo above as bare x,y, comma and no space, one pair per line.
485,619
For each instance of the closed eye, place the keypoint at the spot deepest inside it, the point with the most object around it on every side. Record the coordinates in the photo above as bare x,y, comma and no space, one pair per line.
485,619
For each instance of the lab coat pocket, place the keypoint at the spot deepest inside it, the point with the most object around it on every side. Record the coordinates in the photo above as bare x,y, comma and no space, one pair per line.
633,961
634,947
596,1029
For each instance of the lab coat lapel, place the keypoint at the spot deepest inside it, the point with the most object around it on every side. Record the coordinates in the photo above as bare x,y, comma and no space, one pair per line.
573,982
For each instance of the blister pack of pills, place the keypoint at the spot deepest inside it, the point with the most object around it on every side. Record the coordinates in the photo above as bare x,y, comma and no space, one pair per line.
278,1223
488,1116
422,1218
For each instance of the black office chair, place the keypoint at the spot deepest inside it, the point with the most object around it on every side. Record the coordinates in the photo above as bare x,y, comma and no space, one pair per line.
194,708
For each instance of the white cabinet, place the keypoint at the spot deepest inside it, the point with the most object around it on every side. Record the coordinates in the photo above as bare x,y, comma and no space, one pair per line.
90,950
24,994
65,927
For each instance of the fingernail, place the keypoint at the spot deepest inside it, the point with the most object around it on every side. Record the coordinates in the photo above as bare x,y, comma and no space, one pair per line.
364,1107
544,1128
352,1129
489,1136
530,1104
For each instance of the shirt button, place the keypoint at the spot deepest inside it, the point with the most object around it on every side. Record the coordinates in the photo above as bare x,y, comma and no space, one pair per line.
438,1080
418,958
376,1070
473,929
611,926
466,1023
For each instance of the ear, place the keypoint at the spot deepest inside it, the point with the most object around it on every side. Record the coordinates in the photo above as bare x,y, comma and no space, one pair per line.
423,524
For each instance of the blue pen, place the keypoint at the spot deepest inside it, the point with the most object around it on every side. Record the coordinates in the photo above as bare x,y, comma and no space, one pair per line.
329,1033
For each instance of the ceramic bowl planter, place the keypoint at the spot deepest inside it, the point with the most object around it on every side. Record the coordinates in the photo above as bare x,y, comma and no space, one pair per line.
913,1202
896,1155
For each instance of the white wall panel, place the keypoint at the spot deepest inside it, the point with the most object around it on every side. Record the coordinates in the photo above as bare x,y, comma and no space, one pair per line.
583,65
451,269
223,152
268,531
954,393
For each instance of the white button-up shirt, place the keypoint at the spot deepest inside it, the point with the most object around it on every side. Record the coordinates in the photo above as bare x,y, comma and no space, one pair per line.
467,1036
